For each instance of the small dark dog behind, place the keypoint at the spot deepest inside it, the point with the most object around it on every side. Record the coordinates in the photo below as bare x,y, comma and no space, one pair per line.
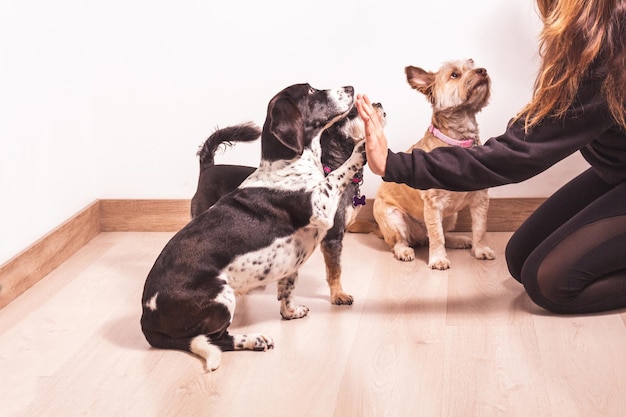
218,180
337,144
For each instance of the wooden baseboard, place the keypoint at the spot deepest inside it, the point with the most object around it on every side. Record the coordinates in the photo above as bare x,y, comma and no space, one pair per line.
144,215
28,267
505,214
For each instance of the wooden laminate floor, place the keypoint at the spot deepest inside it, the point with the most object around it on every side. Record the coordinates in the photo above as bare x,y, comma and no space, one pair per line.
416,342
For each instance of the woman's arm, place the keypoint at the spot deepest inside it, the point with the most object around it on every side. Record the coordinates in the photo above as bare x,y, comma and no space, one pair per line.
375,140
511,157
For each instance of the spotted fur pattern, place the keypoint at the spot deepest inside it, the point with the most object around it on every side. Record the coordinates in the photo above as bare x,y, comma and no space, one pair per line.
336,143
261,232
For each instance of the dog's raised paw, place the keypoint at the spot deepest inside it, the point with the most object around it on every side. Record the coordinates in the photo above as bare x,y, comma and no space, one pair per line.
360,147
359,151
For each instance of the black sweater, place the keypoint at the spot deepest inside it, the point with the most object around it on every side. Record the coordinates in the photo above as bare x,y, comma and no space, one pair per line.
516,156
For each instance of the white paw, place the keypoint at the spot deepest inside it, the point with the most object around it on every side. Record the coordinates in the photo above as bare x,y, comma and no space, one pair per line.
483,252
404,253
440,263
294,312
262,342
253,341
359,148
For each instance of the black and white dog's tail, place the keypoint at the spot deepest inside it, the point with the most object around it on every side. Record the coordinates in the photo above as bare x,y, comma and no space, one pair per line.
245,132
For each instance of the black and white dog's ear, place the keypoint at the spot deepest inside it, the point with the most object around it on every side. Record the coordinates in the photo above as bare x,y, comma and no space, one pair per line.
284,127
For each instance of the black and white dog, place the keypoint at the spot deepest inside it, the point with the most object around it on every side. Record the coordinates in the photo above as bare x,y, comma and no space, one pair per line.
337,143
261,232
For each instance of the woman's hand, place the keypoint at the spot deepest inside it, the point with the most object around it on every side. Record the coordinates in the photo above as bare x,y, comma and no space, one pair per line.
375,140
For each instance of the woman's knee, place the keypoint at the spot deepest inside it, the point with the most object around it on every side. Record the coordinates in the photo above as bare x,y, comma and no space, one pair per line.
542,301
514,261
548,296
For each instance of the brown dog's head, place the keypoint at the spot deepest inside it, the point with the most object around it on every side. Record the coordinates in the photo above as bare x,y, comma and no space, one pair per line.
298,114
457,85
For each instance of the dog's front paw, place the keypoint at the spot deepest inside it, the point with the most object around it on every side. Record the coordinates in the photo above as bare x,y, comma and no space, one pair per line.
440,263
404,253
291,313
341,298
362,150
359,152
360,147
483,252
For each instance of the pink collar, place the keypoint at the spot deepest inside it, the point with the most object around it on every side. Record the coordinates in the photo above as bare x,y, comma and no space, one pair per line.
465,143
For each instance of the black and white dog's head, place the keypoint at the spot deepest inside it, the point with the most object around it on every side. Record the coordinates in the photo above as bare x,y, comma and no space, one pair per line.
298,114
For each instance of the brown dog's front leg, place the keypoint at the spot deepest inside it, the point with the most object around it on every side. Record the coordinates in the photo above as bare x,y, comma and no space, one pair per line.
478,212
332,259
437,256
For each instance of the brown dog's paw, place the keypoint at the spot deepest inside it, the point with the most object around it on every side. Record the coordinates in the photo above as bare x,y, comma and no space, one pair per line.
483,252
341,298
404,253
439,263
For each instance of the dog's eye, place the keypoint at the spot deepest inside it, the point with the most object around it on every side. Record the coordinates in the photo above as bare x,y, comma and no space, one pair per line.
454,75
311,90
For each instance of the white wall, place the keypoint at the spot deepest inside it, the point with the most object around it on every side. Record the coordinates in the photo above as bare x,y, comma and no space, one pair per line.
46,153
112,99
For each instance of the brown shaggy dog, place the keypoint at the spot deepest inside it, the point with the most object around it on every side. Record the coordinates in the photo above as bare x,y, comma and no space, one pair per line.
408,217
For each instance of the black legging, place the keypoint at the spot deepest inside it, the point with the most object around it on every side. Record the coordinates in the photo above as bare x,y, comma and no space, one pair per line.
570,254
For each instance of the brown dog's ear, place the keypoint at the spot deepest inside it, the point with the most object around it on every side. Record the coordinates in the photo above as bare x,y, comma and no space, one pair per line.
420,80
284,126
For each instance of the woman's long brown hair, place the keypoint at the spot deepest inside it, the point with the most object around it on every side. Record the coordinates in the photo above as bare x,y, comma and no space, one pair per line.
575,33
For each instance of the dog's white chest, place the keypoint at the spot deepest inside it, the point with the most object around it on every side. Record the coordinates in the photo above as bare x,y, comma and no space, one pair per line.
279,260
